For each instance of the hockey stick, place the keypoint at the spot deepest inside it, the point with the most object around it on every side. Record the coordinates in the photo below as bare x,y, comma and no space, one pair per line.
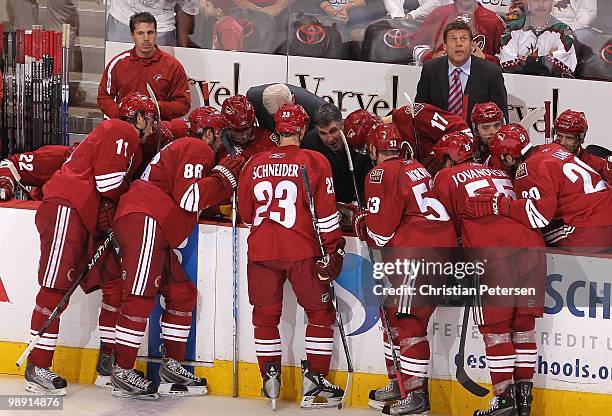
532,117
64,300
349,362
232,152
383,314
414,130
598,151
461,375
157,133
547,123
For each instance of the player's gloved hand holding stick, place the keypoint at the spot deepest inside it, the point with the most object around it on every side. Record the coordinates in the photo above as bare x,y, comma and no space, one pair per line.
64,300
7,188
484,204
330,266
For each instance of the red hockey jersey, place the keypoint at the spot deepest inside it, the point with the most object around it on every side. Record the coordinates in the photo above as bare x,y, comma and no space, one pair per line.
599,164
262,141
96,168
402,210
272,202
454,184
431,124
174,187
37,167
553,183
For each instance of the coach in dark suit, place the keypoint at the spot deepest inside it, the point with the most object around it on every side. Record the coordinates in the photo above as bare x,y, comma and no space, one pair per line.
447,80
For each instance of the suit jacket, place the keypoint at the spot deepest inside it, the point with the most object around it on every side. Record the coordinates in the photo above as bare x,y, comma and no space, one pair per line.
485,83
303,97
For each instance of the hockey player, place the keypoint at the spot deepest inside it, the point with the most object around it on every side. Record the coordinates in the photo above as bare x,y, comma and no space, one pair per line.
283,246
513,259
551,183
153,218
570,130
403,215
431,124
246,138
34,169
78,203
486,118
356,127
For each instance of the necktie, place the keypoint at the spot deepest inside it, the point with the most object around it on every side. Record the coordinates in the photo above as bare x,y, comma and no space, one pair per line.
455,93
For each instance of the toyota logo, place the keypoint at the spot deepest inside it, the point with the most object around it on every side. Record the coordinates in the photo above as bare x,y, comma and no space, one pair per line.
310,34
396,38
247,27
606,53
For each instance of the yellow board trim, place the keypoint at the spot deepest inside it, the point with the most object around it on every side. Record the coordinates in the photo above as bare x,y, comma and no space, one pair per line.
447,397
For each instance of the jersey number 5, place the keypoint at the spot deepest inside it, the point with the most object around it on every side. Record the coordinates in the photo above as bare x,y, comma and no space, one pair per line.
284,195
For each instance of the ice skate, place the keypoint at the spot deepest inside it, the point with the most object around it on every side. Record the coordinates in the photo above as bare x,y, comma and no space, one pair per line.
176,380
271,383
104,370
317,391
41,380
130,384
502,405
415,403
524,398
384,396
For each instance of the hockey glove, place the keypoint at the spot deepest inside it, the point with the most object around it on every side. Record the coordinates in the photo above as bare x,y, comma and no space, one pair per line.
486,204
228,169
359,224
7,188
106,214
330,266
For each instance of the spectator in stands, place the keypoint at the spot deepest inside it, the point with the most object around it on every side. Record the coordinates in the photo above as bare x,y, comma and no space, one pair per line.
538,43
145,63
268,98
502,8
176,19
487,28
349,15
227,31
577,14
272,7
449,81
326,138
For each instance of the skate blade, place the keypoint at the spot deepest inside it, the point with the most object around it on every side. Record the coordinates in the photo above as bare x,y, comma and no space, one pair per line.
378,405
103,381
172,389
273,404
197,390
36,389
125,395
318,402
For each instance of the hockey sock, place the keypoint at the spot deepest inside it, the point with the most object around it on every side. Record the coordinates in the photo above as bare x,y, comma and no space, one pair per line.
414,357
109,311
46,301
181,299
500,355
524,341
175,326
319,343
130,328
267,346
388,354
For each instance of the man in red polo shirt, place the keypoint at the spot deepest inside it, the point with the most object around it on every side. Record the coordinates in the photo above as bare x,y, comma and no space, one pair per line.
132,70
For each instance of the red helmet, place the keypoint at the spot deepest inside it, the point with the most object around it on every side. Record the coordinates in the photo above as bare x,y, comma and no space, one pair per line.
356,127
206,117
238,112
138,102
291,118
458,146
385,137
511,139
486,113
572,122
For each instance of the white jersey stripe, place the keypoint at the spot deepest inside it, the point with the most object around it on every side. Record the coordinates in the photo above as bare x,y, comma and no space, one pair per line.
58,246
111,65
144,261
